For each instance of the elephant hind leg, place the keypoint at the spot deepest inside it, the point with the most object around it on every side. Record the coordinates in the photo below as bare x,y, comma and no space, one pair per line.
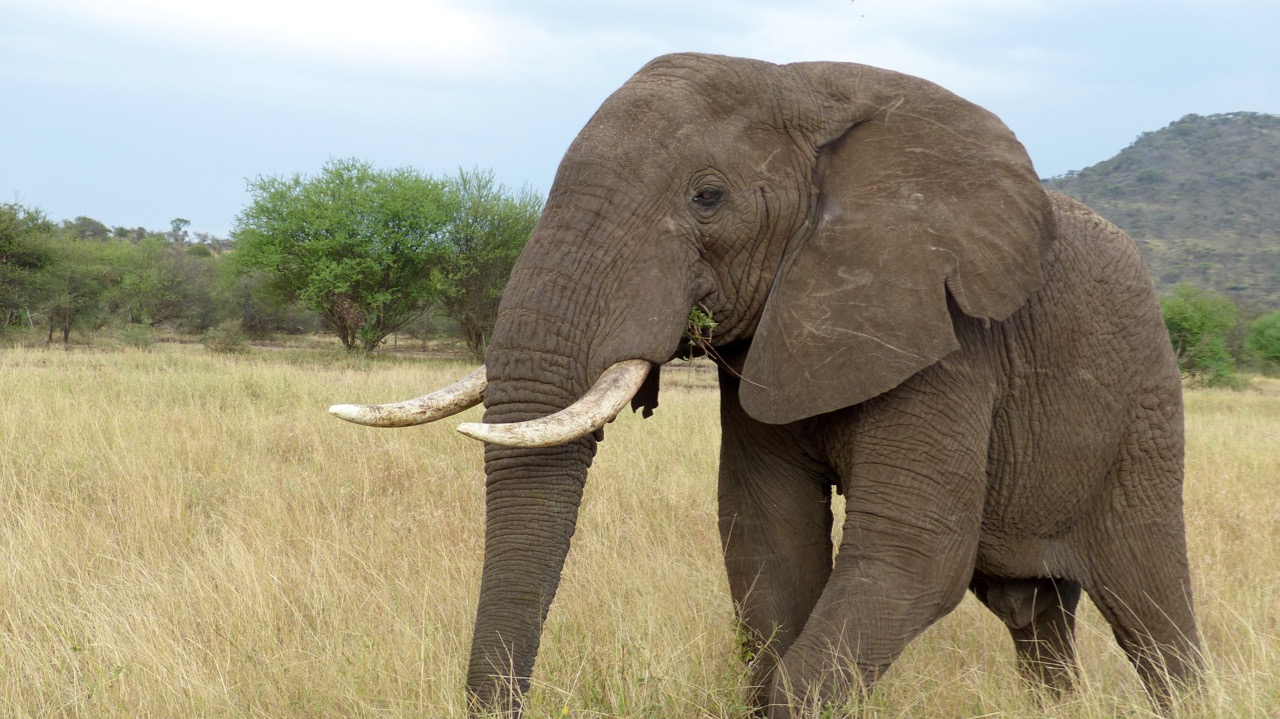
1040,615
1136,555
1143,590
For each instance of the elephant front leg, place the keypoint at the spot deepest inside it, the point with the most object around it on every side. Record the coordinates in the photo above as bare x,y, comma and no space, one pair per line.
775,529
914,485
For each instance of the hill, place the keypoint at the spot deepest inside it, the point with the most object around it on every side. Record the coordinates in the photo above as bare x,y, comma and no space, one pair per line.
1202,199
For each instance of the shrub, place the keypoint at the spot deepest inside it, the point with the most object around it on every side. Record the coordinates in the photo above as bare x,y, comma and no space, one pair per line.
1199,322
1263,339
225,338
137,336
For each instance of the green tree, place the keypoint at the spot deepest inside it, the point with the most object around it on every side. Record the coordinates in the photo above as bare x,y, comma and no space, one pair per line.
1199,322
1263,339
355,244
24,256
163,283
86,228
77,283
178,230
488,231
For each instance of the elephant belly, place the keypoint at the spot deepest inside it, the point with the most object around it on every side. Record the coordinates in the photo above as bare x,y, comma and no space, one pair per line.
1044,481
1046,466
1082,359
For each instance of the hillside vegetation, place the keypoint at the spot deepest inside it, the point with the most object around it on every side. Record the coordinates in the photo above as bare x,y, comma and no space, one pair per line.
1202,199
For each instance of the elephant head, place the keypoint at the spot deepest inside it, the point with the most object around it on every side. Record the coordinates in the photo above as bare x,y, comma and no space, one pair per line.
823,213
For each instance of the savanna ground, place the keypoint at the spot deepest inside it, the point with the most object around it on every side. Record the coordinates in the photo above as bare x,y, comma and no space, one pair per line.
184,534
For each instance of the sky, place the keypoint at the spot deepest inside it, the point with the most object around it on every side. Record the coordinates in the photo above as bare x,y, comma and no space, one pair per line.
136,112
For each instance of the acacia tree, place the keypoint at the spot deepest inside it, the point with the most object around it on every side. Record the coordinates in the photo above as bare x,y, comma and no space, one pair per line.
488,231
355,244
77,283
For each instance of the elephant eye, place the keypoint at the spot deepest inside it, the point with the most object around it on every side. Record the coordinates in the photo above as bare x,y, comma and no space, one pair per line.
708,197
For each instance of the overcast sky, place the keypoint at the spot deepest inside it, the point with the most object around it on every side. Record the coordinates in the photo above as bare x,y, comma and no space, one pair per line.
135,112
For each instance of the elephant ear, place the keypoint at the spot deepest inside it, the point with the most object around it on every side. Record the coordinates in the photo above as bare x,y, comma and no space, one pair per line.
917,193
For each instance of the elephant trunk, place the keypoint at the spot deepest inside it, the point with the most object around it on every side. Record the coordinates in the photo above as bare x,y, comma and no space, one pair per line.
532,497
531,494
536,367
558,332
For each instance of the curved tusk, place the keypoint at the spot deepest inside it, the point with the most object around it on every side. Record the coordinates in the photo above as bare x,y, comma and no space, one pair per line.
463,394
591,412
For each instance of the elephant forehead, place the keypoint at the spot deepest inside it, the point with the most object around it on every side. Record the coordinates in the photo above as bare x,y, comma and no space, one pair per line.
644,124
657,111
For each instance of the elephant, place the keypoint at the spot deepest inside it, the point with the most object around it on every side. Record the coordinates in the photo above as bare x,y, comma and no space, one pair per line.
903,315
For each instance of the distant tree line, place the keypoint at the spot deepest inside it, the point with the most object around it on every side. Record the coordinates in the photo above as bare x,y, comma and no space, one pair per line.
366,253
361,251
81,275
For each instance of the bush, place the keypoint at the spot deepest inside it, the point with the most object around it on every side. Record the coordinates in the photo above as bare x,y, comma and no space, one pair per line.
137,336
262,312
1199,322
1263,339
226,338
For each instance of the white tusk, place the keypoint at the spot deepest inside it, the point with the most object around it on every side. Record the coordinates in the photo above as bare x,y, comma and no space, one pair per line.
463,394
591,412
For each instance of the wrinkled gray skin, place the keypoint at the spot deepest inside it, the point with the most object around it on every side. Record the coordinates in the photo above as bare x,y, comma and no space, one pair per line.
979,366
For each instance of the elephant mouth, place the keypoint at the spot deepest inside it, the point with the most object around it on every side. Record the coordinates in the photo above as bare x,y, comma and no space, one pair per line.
606,398
690,349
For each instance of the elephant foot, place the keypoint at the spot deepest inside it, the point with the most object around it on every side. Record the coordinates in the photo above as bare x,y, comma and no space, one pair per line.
801,689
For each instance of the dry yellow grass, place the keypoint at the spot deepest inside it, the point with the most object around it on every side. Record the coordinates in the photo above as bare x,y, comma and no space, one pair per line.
184,534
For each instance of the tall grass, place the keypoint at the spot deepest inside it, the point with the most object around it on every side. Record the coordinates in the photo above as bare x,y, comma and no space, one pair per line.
187,534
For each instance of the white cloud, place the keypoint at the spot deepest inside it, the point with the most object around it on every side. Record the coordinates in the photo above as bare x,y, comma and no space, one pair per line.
918,37
507,82
438,36
557,42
